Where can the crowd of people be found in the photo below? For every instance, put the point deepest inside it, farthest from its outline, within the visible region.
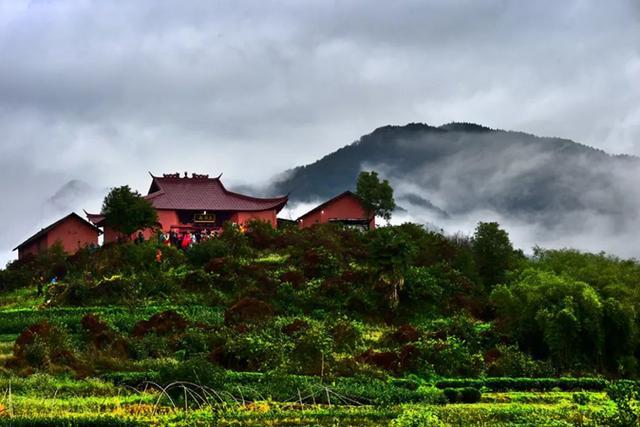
(182, 239)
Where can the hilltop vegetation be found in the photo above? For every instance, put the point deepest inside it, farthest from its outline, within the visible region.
(328, 316)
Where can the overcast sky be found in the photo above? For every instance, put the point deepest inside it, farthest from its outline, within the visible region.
(104, 91)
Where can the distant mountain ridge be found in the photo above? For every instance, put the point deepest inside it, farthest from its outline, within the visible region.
(458, 168)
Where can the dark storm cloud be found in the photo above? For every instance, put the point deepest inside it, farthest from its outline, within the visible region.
(104, 91)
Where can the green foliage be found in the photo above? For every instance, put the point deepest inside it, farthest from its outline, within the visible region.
(261, 234)
(417, 418)
(470, 395)
(620, 336)
(201, 254)
(127, 211)
(451, 356)
(493, 253)
(513, 362)
(47, 264)
(237, 242)
(525, 384)
(334, 316)
(462, 395)
(626, 396)
(391, 255)
(376, 195)
(581, 398)
(606, 273)
(553, 315)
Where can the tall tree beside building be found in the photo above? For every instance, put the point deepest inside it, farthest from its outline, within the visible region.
(126, 211)
(376, 195)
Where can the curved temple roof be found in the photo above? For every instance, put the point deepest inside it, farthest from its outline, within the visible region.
(200, 192)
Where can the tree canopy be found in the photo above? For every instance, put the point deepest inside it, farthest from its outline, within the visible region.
(553, 315)
(493, 253)
(126, 211)
(376, 195)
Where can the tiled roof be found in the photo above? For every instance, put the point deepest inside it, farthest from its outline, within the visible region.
(47, 229)
(203, 193)
(95, 219)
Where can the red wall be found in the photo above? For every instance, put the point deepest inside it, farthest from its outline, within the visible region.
(266, 216)
(167, 219)
(73, 234)
(33, 248)
(347, 207)
(109, 235)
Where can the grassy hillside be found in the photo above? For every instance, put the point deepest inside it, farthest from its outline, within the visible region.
(322, 326)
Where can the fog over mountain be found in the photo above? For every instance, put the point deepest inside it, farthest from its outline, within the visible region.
(545, 191)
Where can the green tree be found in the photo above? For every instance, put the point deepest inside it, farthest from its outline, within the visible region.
(493, 253)
(553, 316)
(392, 254)
(376, 195)
(126, 211)
(620, 336)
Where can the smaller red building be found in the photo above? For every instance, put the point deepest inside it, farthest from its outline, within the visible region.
(72, 232)
(346, 208)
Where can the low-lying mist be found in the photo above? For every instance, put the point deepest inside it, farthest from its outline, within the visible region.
(544, 191)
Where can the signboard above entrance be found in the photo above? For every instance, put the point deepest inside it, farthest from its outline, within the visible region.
(204, 218)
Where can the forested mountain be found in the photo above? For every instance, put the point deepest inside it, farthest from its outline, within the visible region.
(461, 167)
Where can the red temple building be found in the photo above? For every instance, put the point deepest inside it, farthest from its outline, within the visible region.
(196, 203)
(345, 208)
(72, 232)
(199, 202)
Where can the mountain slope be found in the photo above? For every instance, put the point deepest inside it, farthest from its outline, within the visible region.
(458, 169)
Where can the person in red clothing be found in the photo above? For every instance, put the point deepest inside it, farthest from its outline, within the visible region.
(186, 240)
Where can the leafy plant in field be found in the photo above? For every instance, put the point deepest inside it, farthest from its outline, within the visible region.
(626, 396)
(417, 417)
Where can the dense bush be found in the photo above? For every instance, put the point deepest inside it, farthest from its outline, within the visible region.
(462, 395)
(202, 254)
(511, 362)
(470, 395)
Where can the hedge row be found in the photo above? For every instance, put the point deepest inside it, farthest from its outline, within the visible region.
(282, 387)
(69, 420)
(526, 384)
(15, 321)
